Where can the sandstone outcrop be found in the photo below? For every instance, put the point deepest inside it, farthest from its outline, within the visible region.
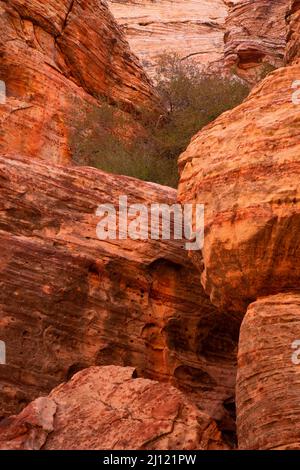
(245, 168)
(255, 37)
(244, 37)
(269, 374)
(293, 39)
(107, 408)
(69, 300)
(193, 29)
(57, 58)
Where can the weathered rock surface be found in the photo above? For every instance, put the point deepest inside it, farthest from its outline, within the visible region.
(193, 29)
(58, 57)
(293, 39)
(69, 300)
(247, 37)
(245, 168)
(255, 38)
(268, 377)
(107, 408)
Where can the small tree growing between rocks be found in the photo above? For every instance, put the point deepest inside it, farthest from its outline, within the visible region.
(192, 100)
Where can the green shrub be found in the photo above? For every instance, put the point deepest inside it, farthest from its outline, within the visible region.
(192, 100)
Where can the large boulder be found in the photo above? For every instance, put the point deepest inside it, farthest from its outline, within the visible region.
(245, 168)
(107, 408)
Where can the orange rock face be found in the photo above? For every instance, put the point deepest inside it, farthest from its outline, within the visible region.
(269, 374)
(56, 58)
(293, 18)
(245, 168)
(70, 301)
(145, 415)
(255, 37)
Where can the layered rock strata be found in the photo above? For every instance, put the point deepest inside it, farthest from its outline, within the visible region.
(243, 37)
(269, 374)
(192, 29)
(58, 58)
(69, 300)
(293, 38)
(255, 38)
(245, 168)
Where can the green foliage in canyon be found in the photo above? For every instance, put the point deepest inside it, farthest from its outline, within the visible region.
(191, 99)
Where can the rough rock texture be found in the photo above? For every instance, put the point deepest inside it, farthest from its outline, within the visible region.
(247, 36)
(293, 19)
(68, 300)
(57, 57)
(245, 168)
(193, 29)
(107, 408)
(268, 379)
(255, 37)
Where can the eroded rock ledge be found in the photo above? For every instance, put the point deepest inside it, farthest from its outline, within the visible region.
(69, 300)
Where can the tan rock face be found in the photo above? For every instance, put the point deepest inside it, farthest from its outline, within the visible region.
(193, 29)
(57, 57)
(69, 300)
(248, 37)
(107, 408)
(245, 168)
(255, 37)
(293, 19)
(268, 374)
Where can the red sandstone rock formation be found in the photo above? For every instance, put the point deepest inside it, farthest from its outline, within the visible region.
(107, 408)
(58, 57)
(69, 300)
(255, 37)
(245, 168)
(293, 19)
(268, 377)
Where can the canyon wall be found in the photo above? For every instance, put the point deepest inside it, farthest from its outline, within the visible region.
(245, 167)
(193, 29)
(71, 304)
(58, 58)
(293, 37)
(255, 37)
(242, 37)
(69, 300)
